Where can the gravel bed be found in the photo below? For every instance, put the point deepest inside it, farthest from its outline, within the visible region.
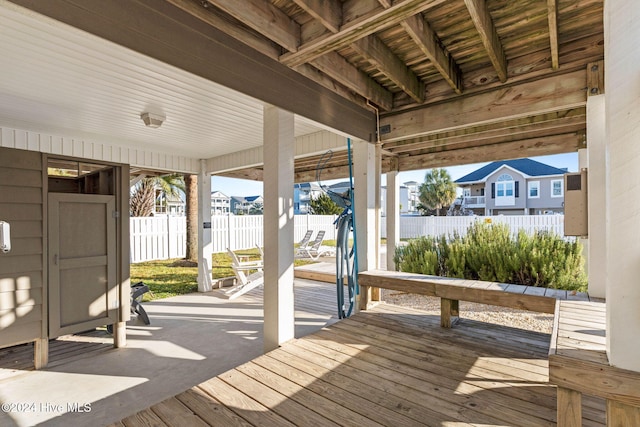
(529, 320)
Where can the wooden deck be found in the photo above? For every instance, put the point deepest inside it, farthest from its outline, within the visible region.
(579, 365)
(388, 366)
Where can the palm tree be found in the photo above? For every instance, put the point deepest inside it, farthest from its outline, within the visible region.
(437, 190)
(143, 193)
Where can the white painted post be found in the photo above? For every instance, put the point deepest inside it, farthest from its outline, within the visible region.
(393, 217)
(622, 112)
(596, 180)
(365, 180)
(205, 245)
(278, 227)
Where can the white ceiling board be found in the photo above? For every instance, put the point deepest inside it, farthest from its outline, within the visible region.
(61, 80)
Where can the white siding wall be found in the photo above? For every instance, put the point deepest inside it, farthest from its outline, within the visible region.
(86, 149)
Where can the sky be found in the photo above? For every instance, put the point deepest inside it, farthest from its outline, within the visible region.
(243, 187)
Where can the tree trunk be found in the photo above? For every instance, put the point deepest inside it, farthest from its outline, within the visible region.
(191, 211)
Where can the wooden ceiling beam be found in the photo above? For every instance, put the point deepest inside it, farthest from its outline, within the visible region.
(558, 144)
(212, 16)
(526, 127)
(484, 24)
(327, 12)
(363, 26)
(556, 93)
(339, 69)
(426, 39)
(264, 18)
(380, 56)
(552, 7)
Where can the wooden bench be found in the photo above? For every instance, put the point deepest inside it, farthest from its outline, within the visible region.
(451, 291)
(578, 364)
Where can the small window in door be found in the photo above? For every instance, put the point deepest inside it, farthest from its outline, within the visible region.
(71, 176)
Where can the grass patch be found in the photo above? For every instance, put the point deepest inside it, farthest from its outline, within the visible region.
(171, 277)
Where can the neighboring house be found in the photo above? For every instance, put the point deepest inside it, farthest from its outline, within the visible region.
(302, 195)
(408, 193)
(242, 205)
(220, 203)
(167, 204)
(514, 187)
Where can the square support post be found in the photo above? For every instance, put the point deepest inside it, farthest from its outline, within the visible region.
(622, 112)
(596, 182)
(205, 243)
(365, 181)
(393, 218)
(278, 227)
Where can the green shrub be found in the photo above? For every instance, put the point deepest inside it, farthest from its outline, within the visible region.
(490, 252)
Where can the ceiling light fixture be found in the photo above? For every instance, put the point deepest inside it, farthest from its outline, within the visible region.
(152, 120)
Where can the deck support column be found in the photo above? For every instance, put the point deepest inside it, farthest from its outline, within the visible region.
(365, 181)
(596, 179)
(278, 227)
(205, 243)
(569, 406)
(622, 111)
(393, 217)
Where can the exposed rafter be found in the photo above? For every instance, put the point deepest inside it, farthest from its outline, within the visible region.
(327, 12)
(208, 14)
(378, 54)
(367, 24)
(552, 8)
(425, 38)
(264, 18)
(342, 71)
(484, 24)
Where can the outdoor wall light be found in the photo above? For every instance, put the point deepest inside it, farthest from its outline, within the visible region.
(152, 120)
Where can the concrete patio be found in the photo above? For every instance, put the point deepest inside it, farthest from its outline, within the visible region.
(191, 339)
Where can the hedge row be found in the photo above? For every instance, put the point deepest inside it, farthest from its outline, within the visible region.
(489, 252)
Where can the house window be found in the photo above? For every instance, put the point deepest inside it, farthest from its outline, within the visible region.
(505, 195)
(466, 192)
(534, 189)
(556, 188)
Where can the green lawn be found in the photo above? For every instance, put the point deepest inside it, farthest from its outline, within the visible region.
(167, 278)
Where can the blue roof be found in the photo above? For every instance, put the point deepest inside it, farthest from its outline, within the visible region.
(526, 166)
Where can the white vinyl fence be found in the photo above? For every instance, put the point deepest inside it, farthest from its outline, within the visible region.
(415, 226)
(165, 237)
(155, 238)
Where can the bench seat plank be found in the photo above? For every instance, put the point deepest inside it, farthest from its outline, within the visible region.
(456, 289)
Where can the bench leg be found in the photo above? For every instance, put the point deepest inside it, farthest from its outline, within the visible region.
(449, 313)
(569, 408)
(621, 414)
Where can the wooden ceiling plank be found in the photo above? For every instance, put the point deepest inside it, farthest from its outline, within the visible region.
(342, 71)
(379, 55)
(358, 28)
(328, 12)
(209, 16)
(484, 24)
(264, 18)
(552, 6)
(426, 39)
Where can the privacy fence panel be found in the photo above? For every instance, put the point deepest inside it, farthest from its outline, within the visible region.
(165, 237)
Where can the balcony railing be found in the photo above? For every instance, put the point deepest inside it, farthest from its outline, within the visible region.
(471, 201)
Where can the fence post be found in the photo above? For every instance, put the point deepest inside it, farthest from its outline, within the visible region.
(168, 236)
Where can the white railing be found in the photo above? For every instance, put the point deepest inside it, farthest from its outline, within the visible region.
(473, 200)
(165, 237)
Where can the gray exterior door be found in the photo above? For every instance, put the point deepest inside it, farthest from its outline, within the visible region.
(82, 262)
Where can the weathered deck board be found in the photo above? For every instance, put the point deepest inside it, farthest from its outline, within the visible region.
(389, 366)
